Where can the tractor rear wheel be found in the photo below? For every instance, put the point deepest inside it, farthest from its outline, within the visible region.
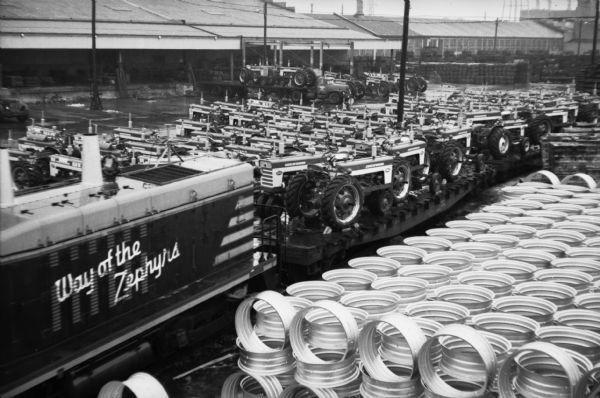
(401, 179)
(302, 196)
(342, 202)
(539, 127)
(381, 202)
(300, 78)
(383, 90)
(451, 160)
(499, 143)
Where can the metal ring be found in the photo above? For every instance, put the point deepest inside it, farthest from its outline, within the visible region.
(323, 330)
(580, 319)
(435, 275)
(368, 347)
(519, 270)
(537, 197)
(316, 290)
(481, 251)
(515, 328)
(502, 240)
(373, 388)
(439, 311)
(434, 381)
(457, 261)
(553, 215)
(428, 243)
(536, 308)
(592, 242)
(350, 279)
(509, 211)
(555, 191)
(516, 191)
(534, 222)
(378, 265)
(488, 218)
(243, 325)
(265, 364)
(562, 296)
(476, 299)
(586, 179)
(565, 361)
(404, 254)
(585, 218)
(591, 253)
(344, 316)
(376, 302)
(588, 229)
(336, 369)
(297, 390)
(571, 238)
(589, 381)
(522, 204)
(553, 247)
(578, 280)
(234, 385)
(538, 258)
(452, 234)
(499, 283)
(408, 289)
(588, 301)
(474, 227)
(545, 174)
(267, 322)
(586, 203)
(520, 231)
(584, 342)
(567, 208)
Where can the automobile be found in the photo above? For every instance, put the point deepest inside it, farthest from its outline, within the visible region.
(13, 108)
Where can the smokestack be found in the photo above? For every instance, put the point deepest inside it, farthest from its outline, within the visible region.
(7, 196)
(91, 173)
(359, 9)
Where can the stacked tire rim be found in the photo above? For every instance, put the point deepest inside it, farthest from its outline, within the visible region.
(457, 261)
(569, 209)
(502, 240)
(584, 342)
(553, 215)
(440, 311)
(538, 309)
(539, 223)
(499, 283)
(509, 211)
(325, 368)
(488, 218)
(376, 303)
(480, 251)
(562, 296)
(537, 366)
(350, 279)
(579, 318)
(435, 275)
(396, 373)
(404, 254)
(408, 289)
(474, 227)
(517, 329)
(580, 281)
(589, 230)
(476, 299)
(378, 265)
(589, 301)
(429, 243)
(554, 247)
(316, 290)
(454, 235)
(538, 258)
(519, 231)
(571, 238)
(519, 270)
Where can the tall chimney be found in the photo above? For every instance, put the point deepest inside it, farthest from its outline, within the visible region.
(359, 9)
(7, 195)
(91, 173)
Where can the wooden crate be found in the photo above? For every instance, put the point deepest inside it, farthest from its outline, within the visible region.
(575, 150)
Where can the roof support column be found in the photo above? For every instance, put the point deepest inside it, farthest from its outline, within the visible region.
(243, 46)
(351, 51)
(275, 55)
(312, 56)
(321, 57)
(231, 65)
(281, 53)
(403, 63)
(374, 56)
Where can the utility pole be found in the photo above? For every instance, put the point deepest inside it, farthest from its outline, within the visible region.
(95, 103)
(403, 64)
(579, 38)
(496, 34)
(265, 56)
(595, 42)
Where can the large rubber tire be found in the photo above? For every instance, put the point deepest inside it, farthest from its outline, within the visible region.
(383, 90)
(401, 179)
(334, 98)
(300, 78)
(20, 176)
(352, 87)
(435, 184)
(524, 147)
(587, 113)
(539, 127)
(311, 76)
(381, 202)
(245, 76)
(360, 89)
(422, 84)
(342, 202)
(499, 143)
(301, 196)
(412, 85)
(451, 161)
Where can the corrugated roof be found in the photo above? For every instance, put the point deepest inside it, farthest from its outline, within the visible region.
(384, 27)
(524, 29)
(300, 33)
(102, 28)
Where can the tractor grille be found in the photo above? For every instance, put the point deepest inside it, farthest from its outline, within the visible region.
(266, 177)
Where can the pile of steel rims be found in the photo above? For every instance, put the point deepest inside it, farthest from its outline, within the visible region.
(452, 314)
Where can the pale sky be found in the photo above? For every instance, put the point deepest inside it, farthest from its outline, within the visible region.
(468, 9)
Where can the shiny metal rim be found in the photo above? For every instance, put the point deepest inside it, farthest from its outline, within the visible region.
(439, 311)
(406, 255)
(522, 204)
(334, 372)
(579, 318)
(562, 296)
(474, 227)
(537, 197)
(451, 234)
(590, 301)
(428, 243)
(375, 302)
(323, 330)
(578, 280)
(266, 364)
(509, 211)
(554, 247)
(536, 308)
(350, 279)
(570, 237)
(553, 215)
(501, 284)
(476, 299)
(298, 391)
(539, 258)
(380, 266)
(316, 290)
(488, 218)
(519, 270)
(515, 328)
(234, 385)
(534, 222)
(584, 342)
(520, 231)
(504, 241)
